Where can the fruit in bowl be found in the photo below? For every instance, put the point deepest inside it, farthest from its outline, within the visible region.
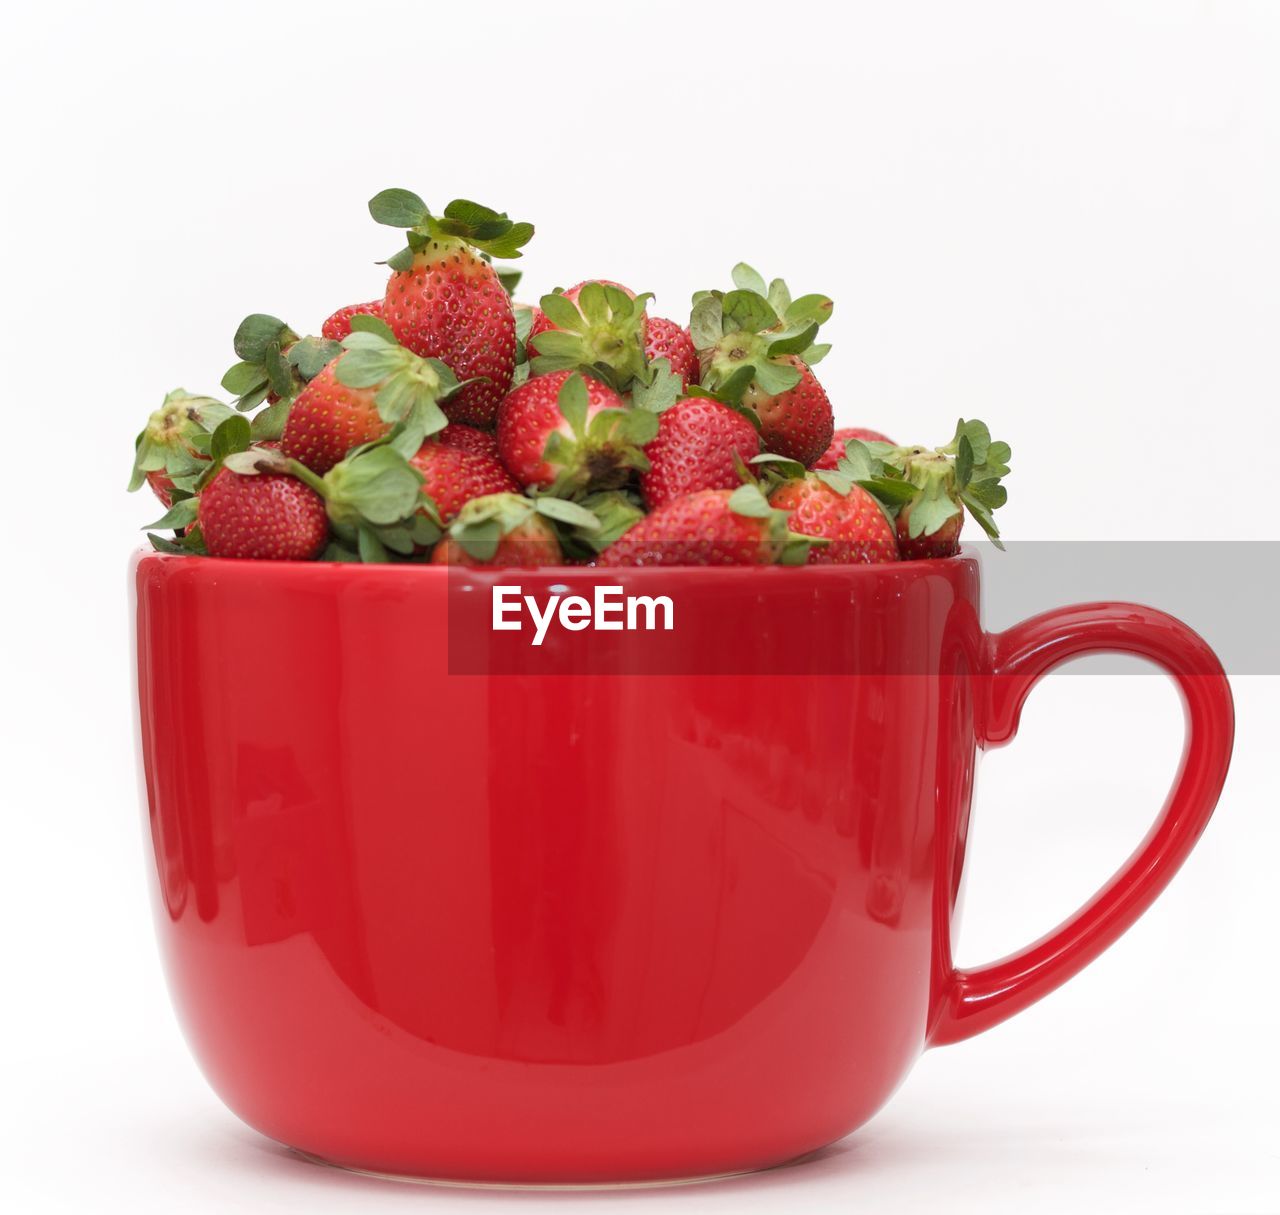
(446, 423)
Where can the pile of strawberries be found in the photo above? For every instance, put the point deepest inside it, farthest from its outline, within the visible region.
(447, 423)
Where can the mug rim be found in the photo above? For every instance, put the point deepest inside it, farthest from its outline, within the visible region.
(356, 571)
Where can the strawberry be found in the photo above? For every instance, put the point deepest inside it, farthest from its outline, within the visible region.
(670, 341)
(339, 324)
(373, 385)
(700, 444)
(452, 477)
(509, 529)
(445, 300)
(468, 438)
(571, 433)
(750, 344)
(831, 457)
(713, 527)
(173, 451)
(373, 500)
(597, 325)
(273, 517)
(927, 491)
(852, 520)
(275, 365)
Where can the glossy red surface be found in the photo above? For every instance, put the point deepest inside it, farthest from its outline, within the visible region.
(584, 927)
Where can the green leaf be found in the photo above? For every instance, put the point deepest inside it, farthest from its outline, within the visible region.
(376, 486)
(363, 322)
(371, 549)
(989, 492)
(808, 310)
(563, 511)
(509, 278)
(573, 401)
(779, 297)
(401, 260)
(706, 322)
(162, 544)
(747, 312)
(279, 374)
(555, 343)
(398, 209)
(235, 434)
(928, 514)
(180, 514)
(747, 279)
(774, 378)
(964, 462)
(479, 539)
(312, 355)
(269, 423)
(835, 480)
(782, 465)
(815, 354)
(978, 435)
(795, 344)
(749, 501)
(562, 313)
(982, 516)
(257, 333)
(890, 491)
(662, 390)
(593, 303)
(244, 377)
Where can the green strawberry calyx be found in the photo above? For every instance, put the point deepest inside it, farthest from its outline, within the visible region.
(602, 332)
(483, 523)
(614, 510)
(790, 548)
(931, 486)
(463, 223)
(274, 362)
(600, 452)
(754, 334)
(176, 439)
(409, 389)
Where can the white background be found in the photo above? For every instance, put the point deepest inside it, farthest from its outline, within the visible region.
(1062, 218)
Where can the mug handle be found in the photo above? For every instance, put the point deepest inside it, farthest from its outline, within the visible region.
(971, 1001)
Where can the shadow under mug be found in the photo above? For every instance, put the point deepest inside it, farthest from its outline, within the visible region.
(569, 919)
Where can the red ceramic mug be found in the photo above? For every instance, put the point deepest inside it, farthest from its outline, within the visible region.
(660, 906)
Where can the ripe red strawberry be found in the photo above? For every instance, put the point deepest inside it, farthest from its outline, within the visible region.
(694, 450)
(796, 422)
(452, 477)
(571, 433)
(358, 397)
(757, 351)
(339, 324)
(468, 438)
(173, 450)
(713, 527)
(831, 457)
(853, 522)
(667, 340)
(271, 516)
(328, 419)
(501, 529)
(445, 301)
(596, 324)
